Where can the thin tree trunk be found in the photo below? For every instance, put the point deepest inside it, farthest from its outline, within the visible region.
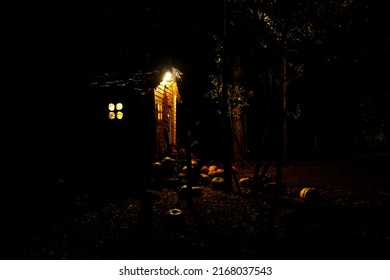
(227, 137)
(284, 109)
(259, 161)
(238, 134)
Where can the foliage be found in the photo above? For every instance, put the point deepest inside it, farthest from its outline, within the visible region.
(324, 56)
(237, 95)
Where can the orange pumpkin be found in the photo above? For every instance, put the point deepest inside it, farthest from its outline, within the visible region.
(309, 194)
(212, 173)
(194, 163)
(213, 168)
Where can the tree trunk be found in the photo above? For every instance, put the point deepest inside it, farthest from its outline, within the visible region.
(238, 134)
(284, 109)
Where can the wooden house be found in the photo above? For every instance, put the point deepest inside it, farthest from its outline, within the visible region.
(140, 107)
(166, 97)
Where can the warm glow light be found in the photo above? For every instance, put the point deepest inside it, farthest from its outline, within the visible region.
(111, 115)
(119, 115)
(159, 111)
(167, 77)
(111, 107)
(119, 106)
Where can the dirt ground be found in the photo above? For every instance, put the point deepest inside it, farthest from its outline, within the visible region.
(349, 221)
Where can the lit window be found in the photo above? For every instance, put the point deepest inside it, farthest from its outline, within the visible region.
(119, 106)
(111, 115)
(111, 107)
(115, 111)
(159, 111)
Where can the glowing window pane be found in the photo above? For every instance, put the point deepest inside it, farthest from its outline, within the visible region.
(111, 115)
(111, 107)
(119, 106)
(119, 115)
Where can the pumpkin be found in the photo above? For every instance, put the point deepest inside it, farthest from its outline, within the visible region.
(194, 163)
(219, 172)
(204, 179)
(195, 191)
(213, 168)
(168, 159)
(309, 194)
(218, 183)
(212, 173)
(245, 182)
(204, 170)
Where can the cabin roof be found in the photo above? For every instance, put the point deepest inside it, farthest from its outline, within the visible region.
(141, 80)
(134, 80)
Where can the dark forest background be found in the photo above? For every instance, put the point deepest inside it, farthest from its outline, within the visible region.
(329, 59)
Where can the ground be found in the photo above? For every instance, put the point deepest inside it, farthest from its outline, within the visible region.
(349, 221)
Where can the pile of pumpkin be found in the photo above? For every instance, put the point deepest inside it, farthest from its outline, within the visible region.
(204, 175)
(163, 173)
(213, 175)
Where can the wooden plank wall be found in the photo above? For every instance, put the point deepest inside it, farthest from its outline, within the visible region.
(165, 103)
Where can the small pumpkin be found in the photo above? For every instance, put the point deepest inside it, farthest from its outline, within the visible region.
(219, 172)
(212, 173)
(168, 160)
(204, 169)
(245, 182)
(218, 183)
(213, 168)
(194, 163)
(309, 194)
(185, 168)
(204, 179)
(196, 191)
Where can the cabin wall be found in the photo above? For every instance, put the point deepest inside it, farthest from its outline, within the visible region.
(165, 113)
(117, 152)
